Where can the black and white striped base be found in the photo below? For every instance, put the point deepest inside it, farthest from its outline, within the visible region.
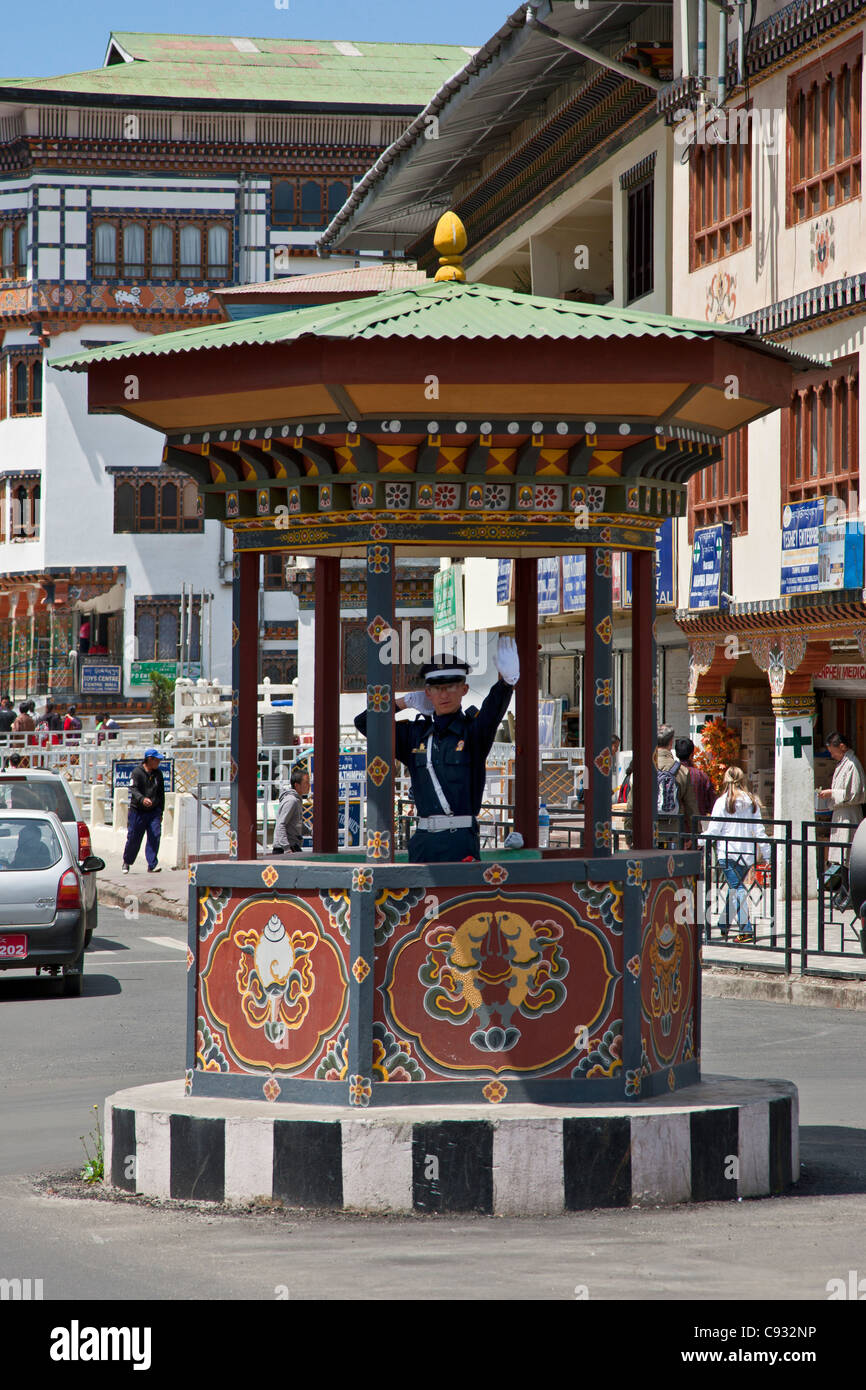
(724, 1138)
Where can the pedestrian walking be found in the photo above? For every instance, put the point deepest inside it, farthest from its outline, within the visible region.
(676, 806)
(445, 749)
(24, 722)
(289, 829)
(705, 792)
(737, 846)
(7, 715)
(50, 725)
(146, 807)
(72, 725)
(846, 795)
(106, 727)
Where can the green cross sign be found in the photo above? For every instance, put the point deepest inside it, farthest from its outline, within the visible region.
(798, 741)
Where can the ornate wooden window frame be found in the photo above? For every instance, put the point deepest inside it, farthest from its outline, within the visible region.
(817, 179)
(298, 182)
(187, 525)
(721, 491)
(822, 419)
(716, 232)
(177, 224)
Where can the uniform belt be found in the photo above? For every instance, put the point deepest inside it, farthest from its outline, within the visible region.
(437, 823)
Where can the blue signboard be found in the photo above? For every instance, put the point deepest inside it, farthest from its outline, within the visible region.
(548, 586)
(664, 568)
(801, 527)
(351, 783)
(574, 582)
(123, 768)
(505, 581)
(100, 680)
(840, 555)
(711, 567)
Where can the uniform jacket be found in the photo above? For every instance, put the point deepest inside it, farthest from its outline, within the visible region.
(461, 742)
(289, 829)
(144, 783)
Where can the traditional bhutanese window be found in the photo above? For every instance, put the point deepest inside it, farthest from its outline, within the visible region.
(162, 251)
(337, 195)
(158, 632)
(275, 570)
(819, 436)
(190, 253)
(720, 492)
(311, 205)
(20, 509)
(133, 252)
(640, 240)
(720, 200)
(283, 203)
(105, 250)
(13, 250)
(824, 108)
(218, 253)
(279, 667)
(353, 655)
(26, 385)
(162, 505)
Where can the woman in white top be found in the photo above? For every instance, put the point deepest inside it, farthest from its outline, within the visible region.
(736, 844)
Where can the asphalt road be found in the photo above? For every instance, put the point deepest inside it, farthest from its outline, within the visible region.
(62, 1056)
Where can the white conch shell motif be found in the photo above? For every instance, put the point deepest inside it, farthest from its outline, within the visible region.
(274, 955)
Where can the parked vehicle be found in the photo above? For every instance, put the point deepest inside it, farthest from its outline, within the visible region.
(33, 789)
(43, 914)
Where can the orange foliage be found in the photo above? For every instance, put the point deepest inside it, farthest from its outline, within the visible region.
(719, 749)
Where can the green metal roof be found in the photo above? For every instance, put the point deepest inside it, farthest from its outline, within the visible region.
(437, 311)
(224, 69)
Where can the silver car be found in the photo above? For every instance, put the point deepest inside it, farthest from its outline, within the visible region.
(43, 914)
(35, 789)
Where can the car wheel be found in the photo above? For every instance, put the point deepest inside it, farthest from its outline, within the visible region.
(72, 979)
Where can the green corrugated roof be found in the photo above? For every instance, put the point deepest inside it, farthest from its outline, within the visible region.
(433, 310)
(177, 65)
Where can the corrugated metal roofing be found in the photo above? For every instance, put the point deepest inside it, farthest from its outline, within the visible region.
(168, 65)
(363, 280)
(433, 311)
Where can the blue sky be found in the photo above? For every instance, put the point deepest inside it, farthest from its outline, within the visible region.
(56, 36)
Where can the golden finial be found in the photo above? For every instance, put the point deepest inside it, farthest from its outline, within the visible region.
(450, 241)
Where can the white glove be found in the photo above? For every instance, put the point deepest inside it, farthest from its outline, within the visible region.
(416, 699)
(507, 661)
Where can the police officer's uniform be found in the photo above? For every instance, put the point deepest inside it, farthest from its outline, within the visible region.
(446, 756)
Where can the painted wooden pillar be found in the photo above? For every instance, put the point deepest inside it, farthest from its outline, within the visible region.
(598, 702)
(326, 705)
(643, 696)
(381, 626)
(245, 687)
(526, 702)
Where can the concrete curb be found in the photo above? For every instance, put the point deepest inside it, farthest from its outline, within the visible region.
(720, 1140)
(719, 983)
(152, 903)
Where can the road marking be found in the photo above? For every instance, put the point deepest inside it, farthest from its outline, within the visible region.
(165, 941)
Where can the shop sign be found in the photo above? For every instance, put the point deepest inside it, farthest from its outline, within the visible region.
(123, 768)
(664, 568)
(801, 530)
(141, 670)
(835, 672)
(448, 599)
(711, 567)
(840, 555)
(548, 587)
(100, 680)
(505, 581)
(574, 582)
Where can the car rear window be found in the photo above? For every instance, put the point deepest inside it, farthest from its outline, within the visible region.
(36, 795)
(27, 845)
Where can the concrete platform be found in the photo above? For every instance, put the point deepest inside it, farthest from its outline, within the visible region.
(722, 1139)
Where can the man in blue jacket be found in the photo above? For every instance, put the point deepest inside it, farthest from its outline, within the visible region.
(146, 807)
(445, 749)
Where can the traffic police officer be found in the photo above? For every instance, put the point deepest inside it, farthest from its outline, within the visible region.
(445, 749)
